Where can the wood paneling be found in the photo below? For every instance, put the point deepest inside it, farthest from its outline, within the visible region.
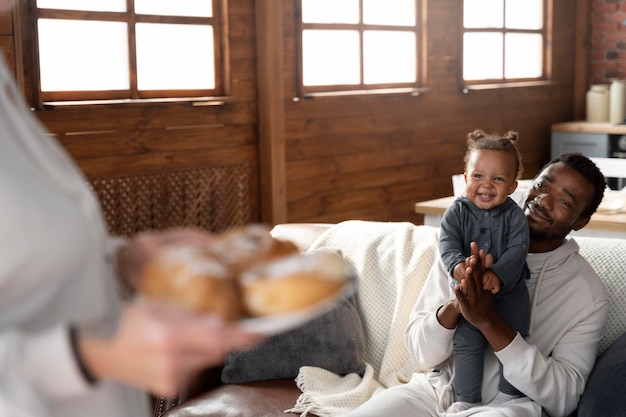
(6, 24)
(138, 139)
(271, 111)
(7, 45)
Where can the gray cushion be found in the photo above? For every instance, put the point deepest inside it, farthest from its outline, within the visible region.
(333, 341)
(604, 394)
(604, 255)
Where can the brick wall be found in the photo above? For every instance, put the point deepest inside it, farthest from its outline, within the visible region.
(608, 41)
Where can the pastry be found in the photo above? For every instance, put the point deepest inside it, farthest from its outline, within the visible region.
(243, 247)
(292, 283)
(192, 278)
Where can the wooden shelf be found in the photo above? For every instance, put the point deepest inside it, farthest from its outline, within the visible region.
(589, 127)
(615, 222)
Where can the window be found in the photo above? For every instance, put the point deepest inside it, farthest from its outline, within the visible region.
(119, 49)
(359, 45)
(504, 41)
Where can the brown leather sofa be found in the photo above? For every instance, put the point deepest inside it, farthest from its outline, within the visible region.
(210, 398)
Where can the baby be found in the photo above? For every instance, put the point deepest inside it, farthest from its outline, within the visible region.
(486, 215)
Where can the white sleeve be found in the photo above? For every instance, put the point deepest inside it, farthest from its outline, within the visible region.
(428, 342)
(113, 244)
(37, 367)
(556, 382)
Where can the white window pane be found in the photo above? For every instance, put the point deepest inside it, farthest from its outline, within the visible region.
(79, 55)
(93, 5)
(176, 57)
(523, 55)
(483, 13)
(330, 57)
(200, 8)
(482, 56)
(389, 57)
(330, 11)
(389, 12)
(524, 14)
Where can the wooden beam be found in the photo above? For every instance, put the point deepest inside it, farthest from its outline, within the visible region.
(269, 34)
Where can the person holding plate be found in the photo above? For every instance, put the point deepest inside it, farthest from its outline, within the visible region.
(69, 345)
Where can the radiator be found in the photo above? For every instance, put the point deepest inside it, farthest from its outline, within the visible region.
(214, 198)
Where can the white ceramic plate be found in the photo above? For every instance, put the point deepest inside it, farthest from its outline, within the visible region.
(610, 206)
(280, 323)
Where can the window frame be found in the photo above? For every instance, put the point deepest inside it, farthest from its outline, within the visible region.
(546, 70)
(357, 89)
(30, 13)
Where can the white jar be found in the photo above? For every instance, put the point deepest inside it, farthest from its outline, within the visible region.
(617, 109)
(598, 103)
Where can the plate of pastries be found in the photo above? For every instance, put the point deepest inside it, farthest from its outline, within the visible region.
(248, 276)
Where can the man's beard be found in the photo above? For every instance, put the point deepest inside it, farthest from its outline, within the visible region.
(545, 235)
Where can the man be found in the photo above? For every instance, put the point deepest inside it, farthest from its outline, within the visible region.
(569, 308)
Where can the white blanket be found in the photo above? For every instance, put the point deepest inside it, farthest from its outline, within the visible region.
(392, 261)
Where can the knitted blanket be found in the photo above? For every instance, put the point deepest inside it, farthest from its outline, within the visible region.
(392, 261)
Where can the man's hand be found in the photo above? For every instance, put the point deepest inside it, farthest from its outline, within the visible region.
(476, 304)
(448, 314)
(159, 348)
(479, 259)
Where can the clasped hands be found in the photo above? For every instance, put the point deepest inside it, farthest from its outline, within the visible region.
(474, 302)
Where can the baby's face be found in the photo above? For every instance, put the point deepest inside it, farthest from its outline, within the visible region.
(490, 178)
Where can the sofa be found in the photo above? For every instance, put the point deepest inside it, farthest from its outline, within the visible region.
(391, 261)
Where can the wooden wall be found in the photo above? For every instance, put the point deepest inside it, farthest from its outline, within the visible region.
(374, 157)
(142, 139)
(7, 44)
(359, 157)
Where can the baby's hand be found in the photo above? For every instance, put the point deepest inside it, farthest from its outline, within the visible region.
(459, 272)
(491, 282)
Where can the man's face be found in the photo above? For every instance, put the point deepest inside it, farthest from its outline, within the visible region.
(555, 203)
